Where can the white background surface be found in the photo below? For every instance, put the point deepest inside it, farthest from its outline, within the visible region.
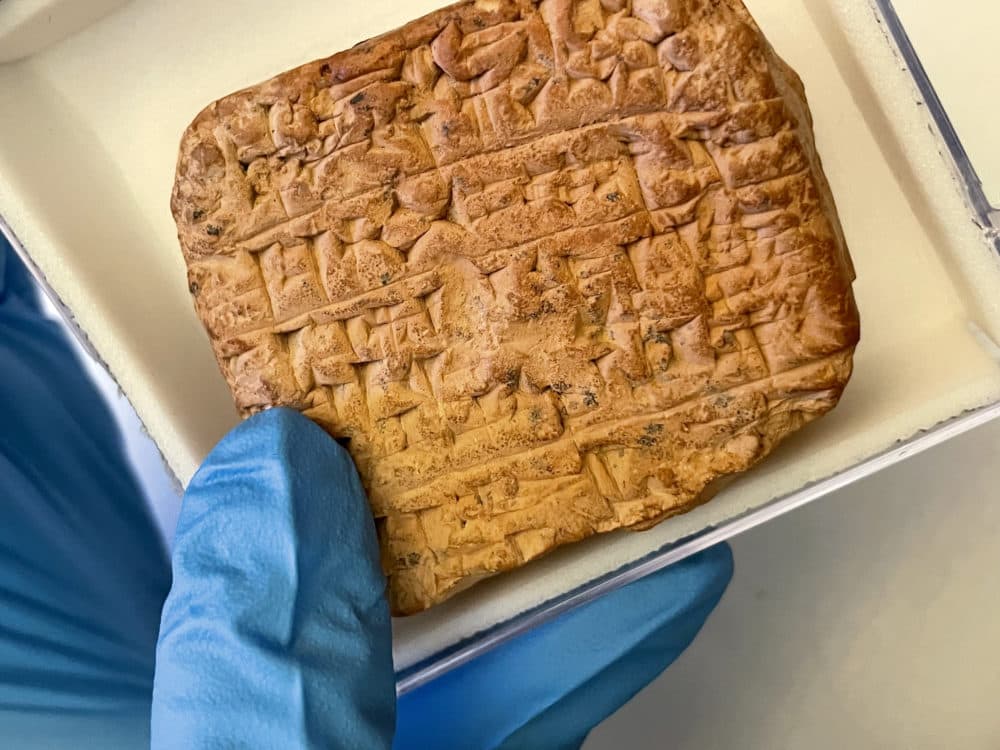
(869, 619)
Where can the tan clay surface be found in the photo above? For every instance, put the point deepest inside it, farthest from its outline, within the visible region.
(553, 268)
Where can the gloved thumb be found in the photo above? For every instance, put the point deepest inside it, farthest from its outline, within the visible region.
(276, 630)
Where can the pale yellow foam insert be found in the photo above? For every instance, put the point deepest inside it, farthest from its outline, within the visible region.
(86, 165)
(28, 26)
(957, 45)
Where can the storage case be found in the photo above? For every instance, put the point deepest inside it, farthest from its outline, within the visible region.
(92, 105)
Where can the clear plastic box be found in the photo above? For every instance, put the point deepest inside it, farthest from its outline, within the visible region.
(968, 171)
(90, 116)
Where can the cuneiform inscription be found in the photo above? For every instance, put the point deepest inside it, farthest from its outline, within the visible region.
(551, 267)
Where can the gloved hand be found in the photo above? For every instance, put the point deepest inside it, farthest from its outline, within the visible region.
(83, 572)
(549, 688)
(276, 630)
(275, 633)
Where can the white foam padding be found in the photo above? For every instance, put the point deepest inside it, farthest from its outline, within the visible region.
(29, 26)
(957, 45)
(87, 161)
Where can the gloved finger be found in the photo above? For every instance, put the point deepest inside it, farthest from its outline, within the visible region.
(276, 630)
(15, 281)
(549, 688)
(83, 572)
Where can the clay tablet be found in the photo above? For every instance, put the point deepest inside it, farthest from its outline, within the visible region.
(553, 268)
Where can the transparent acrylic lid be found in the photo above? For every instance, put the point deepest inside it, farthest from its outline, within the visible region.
(950, 50)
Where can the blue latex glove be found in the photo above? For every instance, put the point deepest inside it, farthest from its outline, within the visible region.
(82, 570)
(275, 633)
(549, 688)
